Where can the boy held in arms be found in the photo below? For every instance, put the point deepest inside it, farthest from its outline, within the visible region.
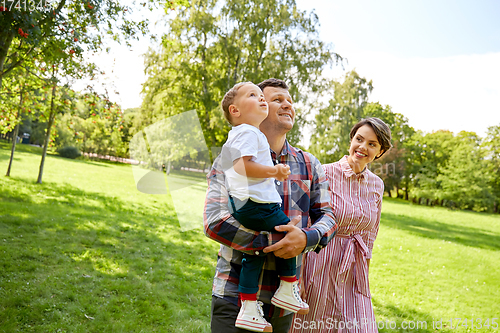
(255, 202)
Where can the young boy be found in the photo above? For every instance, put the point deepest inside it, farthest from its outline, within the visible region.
(254, 201)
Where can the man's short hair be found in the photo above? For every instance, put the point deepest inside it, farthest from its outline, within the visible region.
(273, 83)
(229, 98)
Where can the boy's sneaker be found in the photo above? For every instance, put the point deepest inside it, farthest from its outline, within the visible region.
(288, 297)
(251, 317)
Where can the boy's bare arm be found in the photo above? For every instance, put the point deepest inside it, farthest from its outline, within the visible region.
(245, 167)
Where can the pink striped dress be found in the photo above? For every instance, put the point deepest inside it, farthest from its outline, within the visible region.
(336, 279)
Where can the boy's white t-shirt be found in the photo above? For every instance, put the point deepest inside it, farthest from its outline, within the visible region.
(247, 140)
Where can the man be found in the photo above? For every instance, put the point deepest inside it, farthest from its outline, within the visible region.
(306, 201)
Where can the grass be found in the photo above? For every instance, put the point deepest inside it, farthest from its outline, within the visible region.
(432, 263)
(87, 252)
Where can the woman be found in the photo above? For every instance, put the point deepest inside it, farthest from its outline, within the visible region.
(336, 280)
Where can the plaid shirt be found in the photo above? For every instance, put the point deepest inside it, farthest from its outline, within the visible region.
(305, 193)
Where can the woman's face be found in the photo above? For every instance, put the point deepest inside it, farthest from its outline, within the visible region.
(364, 148)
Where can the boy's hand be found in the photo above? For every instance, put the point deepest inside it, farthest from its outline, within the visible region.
(282, 172)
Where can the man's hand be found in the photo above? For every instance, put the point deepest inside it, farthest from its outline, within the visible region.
(282, 172)
(292, 244)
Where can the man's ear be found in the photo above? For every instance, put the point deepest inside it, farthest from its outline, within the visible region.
(233, 111)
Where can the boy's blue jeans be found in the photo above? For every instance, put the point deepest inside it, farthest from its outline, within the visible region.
(259, 217)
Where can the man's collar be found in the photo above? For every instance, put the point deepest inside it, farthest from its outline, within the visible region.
(287, 149)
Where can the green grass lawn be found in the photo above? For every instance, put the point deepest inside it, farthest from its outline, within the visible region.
(432, 263)
(87, 252)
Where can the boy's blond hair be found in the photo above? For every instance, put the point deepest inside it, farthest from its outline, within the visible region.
(229, 98)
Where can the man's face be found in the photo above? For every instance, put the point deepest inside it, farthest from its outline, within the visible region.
(281, 112)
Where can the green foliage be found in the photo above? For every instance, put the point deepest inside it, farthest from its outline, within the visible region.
(94, 125)
(438, 168)
(394, 165)
(491, 146)
(330, 140)
(62, 29)
(69, 152)
(21, 96)
(429, 154)
(457, 171)
(211, 45)
(464, 180)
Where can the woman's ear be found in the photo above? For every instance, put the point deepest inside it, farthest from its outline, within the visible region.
(233, 111)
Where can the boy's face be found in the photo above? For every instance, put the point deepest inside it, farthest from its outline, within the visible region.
(249, 107)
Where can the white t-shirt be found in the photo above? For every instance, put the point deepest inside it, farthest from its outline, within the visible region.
(247, 140)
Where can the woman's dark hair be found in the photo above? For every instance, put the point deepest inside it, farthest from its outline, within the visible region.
(382, 131)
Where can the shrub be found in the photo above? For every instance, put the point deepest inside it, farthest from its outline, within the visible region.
(69, 152)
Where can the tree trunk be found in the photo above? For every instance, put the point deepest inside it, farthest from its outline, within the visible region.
(206, 98)
(47, 136)
(169, 165)
(16, 132)
(5, 42)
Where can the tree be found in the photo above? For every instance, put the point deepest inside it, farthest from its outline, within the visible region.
(331, 141)
(57, 34)
(19, 99)
(491, 144)
(212, 45)
(394, 167)
(429, 155)
(27, 28)
(464, 179)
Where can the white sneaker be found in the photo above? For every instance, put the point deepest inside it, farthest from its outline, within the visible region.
(251, 317)
(288, 297)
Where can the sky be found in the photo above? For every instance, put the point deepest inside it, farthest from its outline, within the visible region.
(436, 62)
